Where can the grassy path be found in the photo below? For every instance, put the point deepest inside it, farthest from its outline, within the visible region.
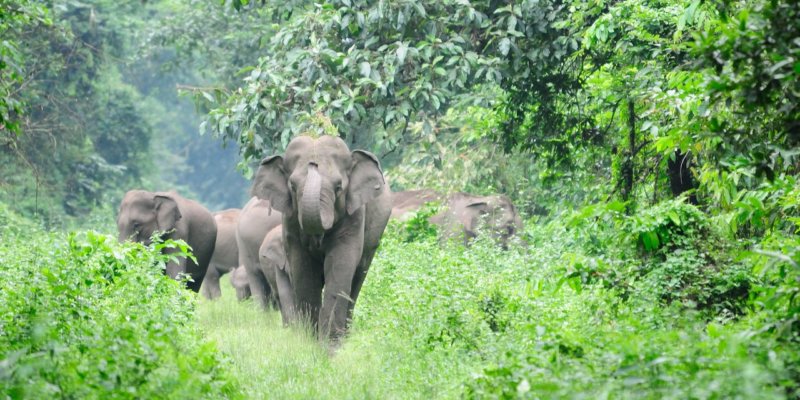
(287, 363)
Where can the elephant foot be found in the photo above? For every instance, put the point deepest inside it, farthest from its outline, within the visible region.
(333, 345)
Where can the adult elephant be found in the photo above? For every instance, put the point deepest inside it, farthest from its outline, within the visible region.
(335, 206)
(274, 267)
(405, 202)
(466, 214)
(256, 219)
(226, 252)
(142, 213)
(240, 283)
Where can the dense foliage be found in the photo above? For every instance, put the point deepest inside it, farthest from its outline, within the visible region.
(620, 315)
(82, 316)
(652, 146)
(587, 310)
(84, 117)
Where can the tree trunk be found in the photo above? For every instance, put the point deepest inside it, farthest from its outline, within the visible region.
(680, 175)
(627, 166)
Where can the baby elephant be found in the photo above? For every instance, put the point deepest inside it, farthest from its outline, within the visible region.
(466, 214)
(226, 252)
(256, 220)
(463, 214)
(240, 282)
(272, 258)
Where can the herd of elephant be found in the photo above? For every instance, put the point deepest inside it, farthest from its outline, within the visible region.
(304, 242)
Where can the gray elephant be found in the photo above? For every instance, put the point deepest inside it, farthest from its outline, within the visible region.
(335, 206)
(405, 202)
(240, 282)
(142, 213)
(466, 214)
(274, 267)
(255, 221)
(226, 253)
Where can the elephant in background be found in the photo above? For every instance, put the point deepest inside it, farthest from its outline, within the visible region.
(141, 213)
(405, 202)
(255, 221)
(466, 214)
(274, 267)
(335, 206)
(240, 282)
(226, 252)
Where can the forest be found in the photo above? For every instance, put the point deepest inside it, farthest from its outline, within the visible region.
(649, 150)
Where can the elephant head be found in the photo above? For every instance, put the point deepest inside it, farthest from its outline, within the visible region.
(319, 182)
(142, 213)
(493, 214)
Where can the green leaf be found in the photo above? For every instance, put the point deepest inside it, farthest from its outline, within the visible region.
(650, 240)
(505, 46)
(674, 217)
(365, 69)
(401, 51)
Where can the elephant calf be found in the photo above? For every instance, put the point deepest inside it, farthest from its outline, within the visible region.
(466, 214)
(240, 282)
(142, 213)
(226, 252)
(272, 258)
(255, 221)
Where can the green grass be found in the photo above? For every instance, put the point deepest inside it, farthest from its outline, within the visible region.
(272, 361)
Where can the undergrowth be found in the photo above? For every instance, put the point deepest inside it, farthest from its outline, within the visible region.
(82, 316)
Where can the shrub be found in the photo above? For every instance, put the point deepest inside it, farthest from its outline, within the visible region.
(82, 316)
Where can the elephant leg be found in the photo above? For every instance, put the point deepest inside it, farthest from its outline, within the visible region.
(286, 295)
(307, 280)
(243, 293)
(180, 268)
(341, 264)
(258, 287)
(210, 288)
(195, 273)
(358, 280)
(269, 274)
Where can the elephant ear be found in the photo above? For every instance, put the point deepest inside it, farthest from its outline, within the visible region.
(474, 212)
(167, 212)
(272, 183)
(276, 254)
(366, 180)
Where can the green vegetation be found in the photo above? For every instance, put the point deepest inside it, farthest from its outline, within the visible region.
(82, 316)
(558, 321)
(651, 145)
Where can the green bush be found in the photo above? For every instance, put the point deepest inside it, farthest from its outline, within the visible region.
(480, 322)
(82, 316)
(666, 253)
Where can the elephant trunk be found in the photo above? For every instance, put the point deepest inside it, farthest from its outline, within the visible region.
(313, 220)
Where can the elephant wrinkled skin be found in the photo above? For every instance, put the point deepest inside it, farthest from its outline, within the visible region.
(226, 252)
(335, 206)
(141, 213)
